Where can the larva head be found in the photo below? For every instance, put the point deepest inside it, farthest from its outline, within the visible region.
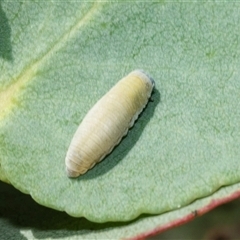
(149, 81)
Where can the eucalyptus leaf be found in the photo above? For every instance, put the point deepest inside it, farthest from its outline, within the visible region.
(184, 146)
(22, 218)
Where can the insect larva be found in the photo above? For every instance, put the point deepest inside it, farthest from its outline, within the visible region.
(107, 122)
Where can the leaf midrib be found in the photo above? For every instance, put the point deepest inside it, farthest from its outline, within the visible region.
(8, 93)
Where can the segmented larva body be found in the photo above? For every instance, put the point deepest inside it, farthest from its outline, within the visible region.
(107, 122)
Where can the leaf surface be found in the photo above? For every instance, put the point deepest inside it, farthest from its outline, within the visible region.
(184, 146)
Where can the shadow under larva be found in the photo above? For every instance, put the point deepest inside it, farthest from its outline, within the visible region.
(107, 122)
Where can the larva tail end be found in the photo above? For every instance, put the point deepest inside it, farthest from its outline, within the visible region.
(71, 173)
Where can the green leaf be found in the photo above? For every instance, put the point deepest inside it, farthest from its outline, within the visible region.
(5, 34)
(22, 217)
(65, 56)
(3, 176)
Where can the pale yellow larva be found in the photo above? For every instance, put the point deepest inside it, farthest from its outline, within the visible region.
(107, 122)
